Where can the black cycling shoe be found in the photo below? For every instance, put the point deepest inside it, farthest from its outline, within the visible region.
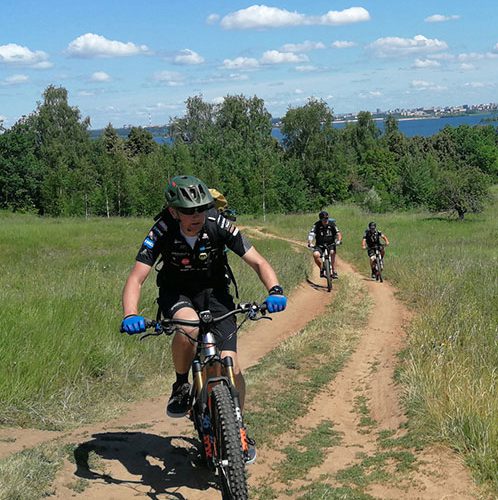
(335, 275)
(178, 403)
(374, 275)
(251, 451)
(322, 273)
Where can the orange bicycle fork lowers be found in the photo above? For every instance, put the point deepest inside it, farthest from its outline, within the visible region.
(198, 376)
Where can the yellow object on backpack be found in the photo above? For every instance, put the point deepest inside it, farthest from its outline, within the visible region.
(220, 202)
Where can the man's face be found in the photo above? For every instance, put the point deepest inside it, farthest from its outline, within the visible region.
(190, 223)
(324, 221)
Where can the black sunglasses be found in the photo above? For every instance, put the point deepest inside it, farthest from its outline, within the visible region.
(192, 210)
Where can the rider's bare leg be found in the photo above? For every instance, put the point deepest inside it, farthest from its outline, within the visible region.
(182, 349)
(332, 260)
(239, 378)
(318, 259)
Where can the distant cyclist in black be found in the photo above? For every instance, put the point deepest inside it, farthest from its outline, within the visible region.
(325, 233)
(370, 241)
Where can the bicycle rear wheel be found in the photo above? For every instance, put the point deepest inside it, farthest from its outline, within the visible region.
(230, 457)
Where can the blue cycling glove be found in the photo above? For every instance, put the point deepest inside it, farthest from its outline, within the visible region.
(133, 324)
(276, 301)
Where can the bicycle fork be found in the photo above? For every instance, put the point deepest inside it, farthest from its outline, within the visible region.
(228, 362)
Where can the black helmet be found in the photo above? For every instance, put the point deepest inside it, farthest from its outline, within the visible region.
(323, 215)
(372, 226)
(188, 192)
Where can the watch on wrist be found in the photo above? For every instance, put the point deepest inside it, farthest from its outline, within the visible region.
(276, 290)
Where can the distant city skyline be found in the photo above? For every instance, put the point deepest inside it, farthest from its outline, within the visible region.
(126, 62)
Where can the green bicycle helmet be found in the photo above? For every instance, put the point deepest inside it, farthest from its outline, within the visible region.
(188, 192)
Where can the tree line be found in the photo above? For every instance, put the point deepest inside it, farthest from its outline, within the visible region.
(50, 165)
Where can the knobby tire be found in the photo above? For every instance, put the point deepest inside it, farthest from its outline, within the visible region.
(232, 476)
(328, 274)
(379, 269)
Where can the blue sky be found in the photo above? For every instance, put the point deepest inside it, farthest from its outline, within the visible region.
(130, 62)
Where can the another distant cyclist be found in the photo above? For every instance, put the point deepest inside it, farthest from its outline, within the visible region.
(370, 241)
(325, 233)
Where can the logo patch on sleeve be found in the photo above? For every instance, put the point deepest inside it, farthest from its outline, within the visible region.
(149, 243)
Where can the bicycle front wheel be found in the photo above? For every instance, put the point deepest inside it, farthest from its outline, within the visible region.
(379, 268)
(328, 274)
(230, 457)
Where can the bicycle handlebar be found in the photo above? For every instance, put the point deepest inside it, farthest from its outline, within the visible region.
(164, 326)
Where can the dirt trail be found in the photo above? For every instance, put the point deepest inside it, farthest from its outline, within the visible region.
(145, 454)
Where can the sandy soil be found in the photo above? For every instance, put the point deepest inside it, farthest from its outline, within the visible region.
(144, 454)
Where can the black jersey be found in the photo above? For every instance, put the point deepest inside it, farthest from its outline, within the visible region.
(372, 239)
(324, 234)
(187, 269)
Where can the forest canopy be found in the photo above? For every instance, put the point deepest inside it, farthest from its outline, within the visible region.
(49, 164)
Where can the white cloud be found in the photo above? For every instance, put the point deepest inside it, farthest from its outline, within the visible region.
(264, 17)
(91, 45)
(342, 44)
(241, 63)
(306, 46)
(238, 76)
(477, 85)
(298, 91)
(346, 16)
(15, 80)
(276, 57)
(212, 18)
(476, 56)
(370, 94)
(100, 76)
(307, 68)
(170, 78)
(425, 63)
(395, 46)
(467, 67)
(188, 57)
(43, 65)
(424, 85)
(439, 18)
(496, 47)
(22, 56)
(86, 93)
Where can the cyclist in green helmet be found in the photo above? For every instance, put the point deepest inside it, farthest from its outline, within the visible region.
(189, 238)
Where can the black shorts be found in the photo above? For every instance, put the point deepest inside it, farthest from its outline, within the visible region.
(321, 248)
(371, 250)
(219, 303)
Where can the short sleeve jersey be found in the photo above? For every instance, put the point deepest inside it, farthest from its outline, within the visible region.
(324, 234)
(372, 239)
(186, 269)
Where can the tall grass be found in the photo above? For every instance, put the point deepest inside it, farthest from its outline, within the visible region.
(62, 358)
(446, 271)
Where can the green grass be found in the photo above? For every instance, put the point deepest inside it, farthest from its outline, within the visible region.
(30, 473)
(62, 358)
(446, 271)
(308, 452)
